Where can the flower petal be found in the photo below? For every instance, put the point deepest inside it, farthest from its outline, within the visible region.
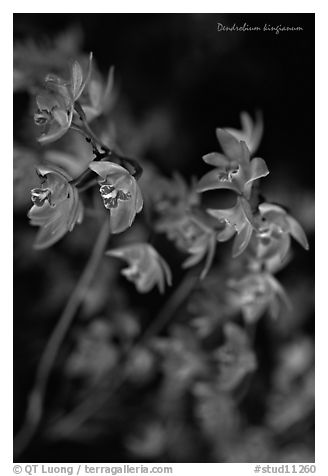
(122, 217)
(216, 159)
(258, 169)
(241, 241)
(79, 91)
(297, 232)
(230, 145)
(227, 232)
(105, 168)
(211, 181)
(77, 78)
(139, 199)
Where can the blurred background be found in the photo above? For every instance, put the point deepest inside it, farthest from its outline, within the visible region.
(177, 78)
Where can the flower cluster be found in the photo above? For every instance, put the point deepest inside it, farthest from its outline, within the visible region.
(205, 355)
(261, 229)
(181, 219)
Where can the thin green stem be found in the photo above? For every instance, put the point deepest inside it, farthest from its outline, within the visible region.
(35, 405)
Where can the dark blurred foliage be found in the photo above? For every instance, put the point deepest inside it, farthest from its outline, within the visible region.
(178, 79)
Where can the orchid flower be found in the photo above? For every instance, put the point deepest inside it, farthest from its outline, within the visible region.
(235, 358)
(255, 293)
(98, 96)
(120, 194)
(238, 219)
(146, 267)
(56, 208)
(192, 235)
(251, 131)
(271, 240)
(234, 170)
(56, 103)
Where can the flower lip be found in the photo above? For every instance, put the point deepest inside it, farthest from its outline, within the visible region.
(111, 195)
(40, 195)
(227, 173)
(120, 193)
(42, 117)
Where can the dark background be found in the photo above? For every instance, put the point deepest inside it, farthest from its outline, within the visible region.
(181, 78)
(202, 78)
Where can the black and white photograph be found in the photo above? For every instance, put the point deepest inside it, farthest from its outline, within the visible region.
(163, 241)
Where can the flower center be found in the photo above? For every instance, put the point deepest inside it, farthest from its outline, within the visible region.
(111, 196)
(268, 231)
(226, 175)
(40, 195)
(42, 117)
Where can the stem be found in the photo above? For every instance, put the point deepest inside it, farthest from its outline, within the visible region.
(176, 300)
(36, 399)
(97, 399)
(94, 140)
(124, 161)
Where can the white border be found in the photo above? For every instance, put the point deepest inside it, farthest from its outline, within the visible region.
(321, 197)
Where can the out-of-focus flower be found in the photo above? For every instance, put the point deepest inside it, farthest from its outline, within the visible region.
(294, 360)
(286, 409)
(270, 242)
(183, 357)
(120, 193)
(217, 414)
(253, 445)
(149, 442)
(233, 169)
(98, 97)
(235, 358)
(146, 267)
(172, 197)
(95, 353)
(192, 235)
(141, 366)
(56, 102)
(34, 60)
(256, 293)
(24, 177)
(251, 131)
(238, 219)
(56, 208)
(183, 223)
